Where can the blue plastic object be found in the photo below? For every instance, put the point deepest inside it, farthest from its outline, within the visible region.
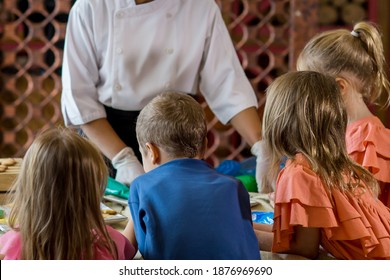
(248, 166)
(244, 171)
(235, 168)
(229, 167)
(245, 167)
(263, 217)
(283, 162)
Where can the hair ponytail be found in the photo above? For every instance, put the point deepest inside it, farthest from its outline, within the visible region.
(371, 38)
(358, 53)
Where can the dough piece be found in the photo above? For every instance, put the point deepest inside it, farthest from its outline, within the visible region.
(8, 162)
(108, 211)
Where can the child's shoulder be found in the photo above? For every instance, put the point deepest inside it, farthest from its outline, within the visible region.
(297, 180)
(368, 143)
(10, 236)
(10, 245)
(298, 166)
(370, 125)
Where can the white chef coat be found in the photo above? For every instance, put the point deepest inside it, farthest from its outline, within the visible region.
(121, 55)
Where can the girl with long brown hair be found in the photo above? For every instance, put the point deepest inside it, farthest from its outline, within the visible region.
(55, 212)
(322, 198)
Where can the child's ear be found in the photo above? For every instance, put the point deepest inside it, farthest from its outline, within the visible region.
(153, 153)
(343, 85)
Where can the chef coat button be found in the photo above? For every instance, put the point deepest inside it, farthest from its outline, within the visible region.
(119, 15)
(119, 50)
(117, 87)
(169, 15)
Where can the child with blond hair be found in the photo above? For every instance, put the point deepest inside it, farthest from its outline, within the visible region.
(322, 198)
(183, 208)
(55, 212)
(356, 60)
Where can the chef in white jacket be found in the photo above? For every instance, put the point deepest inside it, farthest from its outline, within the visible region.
(119, 54)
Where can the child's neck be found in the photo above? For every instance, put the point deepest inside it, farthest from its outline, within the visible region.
(356, 107)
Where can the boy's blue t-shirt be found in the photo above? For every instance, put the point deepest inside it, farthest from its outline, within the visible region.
(184, 209)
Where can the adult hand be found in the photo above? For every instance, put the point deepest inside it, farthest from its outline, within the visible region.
(127, 166)
(263, 161)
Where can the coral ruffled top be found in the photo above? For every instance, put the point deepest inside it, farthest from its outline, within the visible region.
(368, 143)
(352, 226)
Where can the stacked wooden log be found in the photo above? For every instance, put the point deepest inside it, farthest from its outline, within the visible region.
(342, 12)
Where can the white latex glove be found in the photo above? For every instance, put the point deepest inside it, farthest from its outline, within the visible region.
(127, 166)
(263, 161)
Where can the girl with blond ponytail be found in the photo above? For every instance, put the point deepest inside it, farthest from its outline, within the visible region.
(356, 60)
